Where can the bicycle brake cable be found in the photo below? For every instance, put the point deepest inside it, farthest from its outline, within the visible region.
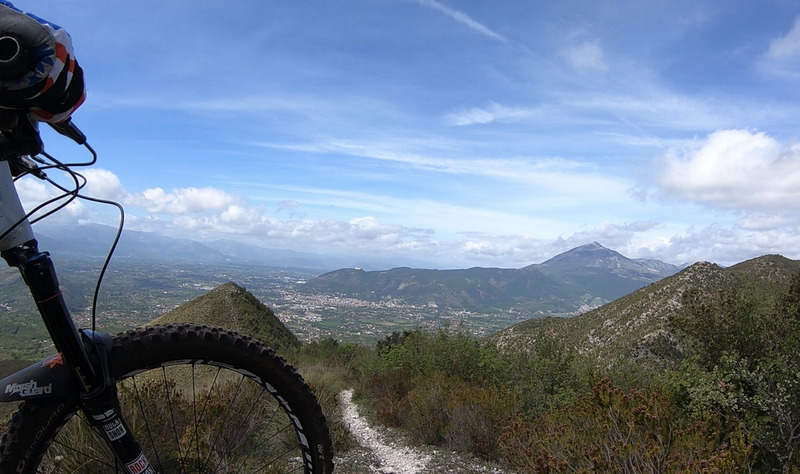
(120, 225)
(79, 183)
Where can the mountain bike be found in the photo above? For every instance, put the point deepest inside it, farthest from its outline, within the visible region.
(158, 399)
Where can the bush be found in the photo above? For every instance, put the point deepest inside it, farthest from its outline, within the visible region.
(622, 431)
(446, 389)
(447, 411)
(389, 391)
(426, 416)
(476, 418)
(764, 397)
(746, 366)
(423, 353)
(550, 376)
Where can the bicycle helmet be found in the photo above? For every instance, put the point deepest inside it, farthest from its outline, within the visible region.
(38, 70)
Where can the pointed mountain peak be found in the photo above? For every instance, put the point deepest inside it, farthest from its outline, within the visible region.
(594, 245)
(590, 255)
(593, 258)
(233, 307)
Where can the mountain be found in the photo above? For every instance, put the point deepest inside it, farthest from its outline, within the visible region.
(94, 240)
(635, 326)
(476, 289)
(595, 256)
(232, 307)
(583, 277)
(605, 273)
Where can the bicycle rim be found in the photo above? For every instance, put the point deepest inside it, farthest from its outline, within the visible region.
(227, 412)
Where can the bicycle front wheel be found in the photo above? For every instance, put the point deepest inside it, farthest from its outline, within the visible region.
(199, 400)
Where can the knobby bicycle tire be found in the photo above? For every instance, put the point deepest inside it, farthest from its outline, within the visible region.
(200, 399)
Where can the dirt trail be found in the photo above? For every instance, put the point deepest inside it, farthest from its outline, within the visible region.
(381, 451)
(392, 457)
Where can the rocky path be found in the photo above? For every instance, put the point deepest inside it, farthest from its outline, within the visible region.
(383, 452)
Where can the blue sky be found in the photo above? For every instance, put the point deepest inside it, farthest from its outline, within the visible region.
(453, 133)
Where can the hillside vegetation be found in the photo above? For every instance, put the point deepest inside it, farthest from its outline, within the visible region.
(636, 326)
(699, 372)
(232, 307)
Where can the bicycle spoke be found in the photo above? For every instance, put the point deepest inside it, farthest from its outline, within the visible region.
(170, 410)
(202, 412)
(268, 423)
(145, 419)
(80, 424)
(194, 413)
(270, 462)
(251, 414)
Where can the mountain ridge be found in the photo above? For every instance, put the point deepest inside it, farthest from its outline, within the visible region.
(635, 326)
(582, 277)
(95, 240)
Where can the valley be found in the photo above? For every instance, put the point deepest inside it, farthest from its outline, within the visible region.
(134, 293)
(632, 327)
(349, 304)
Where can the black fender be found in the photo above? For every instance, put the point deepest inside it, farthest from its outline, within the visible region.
(48, 378)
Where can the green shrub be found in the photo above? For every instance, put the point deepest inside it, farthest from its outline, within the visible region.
(745, 365)
(462, 416)
(476, 417)
(622, 431)
(426, 416)
(389, 390)
(423, 353)
(549, 376)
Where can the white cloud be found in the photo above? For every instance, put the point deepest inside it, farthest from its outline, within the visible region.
(221, 216)
(239, 215)
(181, 201)
(786, 46)
(103, 184)
(462, 18)
(587, 56)
(32, 192)
(368, 228)
(493, 113)
(517, 250)
(636, 240)
(552, 173)
(736, 170)
(730, 245)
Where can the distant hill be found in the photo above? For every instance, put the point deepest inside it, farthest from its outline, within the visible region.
(635, 326)
(232, 307)
(576, 280)
(604, 272)
(94, 240)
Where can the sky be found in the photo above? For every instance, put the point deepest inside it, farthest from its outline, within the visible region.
(447, 133)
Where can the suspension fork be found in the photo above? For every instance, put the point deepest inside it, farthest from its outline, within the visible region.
(85, 353)
(39, 274)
